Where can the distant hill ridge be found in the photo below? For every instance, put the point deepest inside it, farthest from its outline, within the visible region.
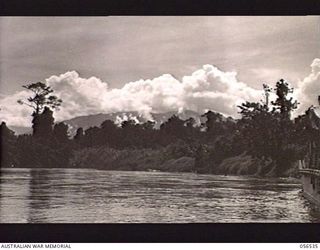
(88, 121)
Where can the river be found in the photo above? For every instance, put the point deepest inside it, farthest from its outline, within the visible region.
(94, 196)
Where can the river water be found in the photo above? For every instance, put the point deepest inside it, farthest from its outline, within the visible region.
(93, 196)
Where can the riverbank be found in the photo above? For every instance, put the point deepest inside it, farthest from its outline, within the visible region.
(247, 165)
(167, 160)
(178, 157)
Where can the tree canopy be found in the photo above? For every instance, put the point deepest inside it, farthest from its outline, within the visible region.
(264, 132)
(41, 97)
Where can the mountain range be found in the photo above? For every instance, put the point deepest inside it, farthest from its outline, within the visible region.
(88, 121)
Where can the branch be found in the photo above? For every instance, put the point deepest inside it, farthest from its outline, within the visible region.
(30, 105)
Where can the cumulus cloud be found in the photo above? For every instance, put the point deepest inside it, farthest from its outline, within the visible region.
(13, 113)
(309, 88)
(206, 88)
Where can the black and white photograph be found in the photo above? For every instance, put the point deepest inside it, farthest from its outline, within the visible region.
(160, 119)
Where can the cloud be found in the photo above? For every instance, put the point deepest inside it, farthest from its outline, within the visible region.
(206, 88)
(13, 113)
(309, 88)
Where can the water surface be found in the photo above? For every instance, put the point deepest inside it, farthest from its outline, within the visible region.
(93, 196)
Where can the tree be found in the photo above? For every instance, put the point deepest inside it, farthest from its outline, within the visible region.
(131, 132)
(42, 97)
(268, 133)
(43, 123)
(92, 137)
(174, 128)
(7, 146)
(249, 110)
(267, 90)
(216, 125)
(60, 132)
(41, 101)
(110, 134)
(284, 104)
(79, 135)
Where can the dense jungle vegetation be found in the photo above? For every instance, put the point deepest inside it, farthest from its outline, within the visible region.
(264, 141)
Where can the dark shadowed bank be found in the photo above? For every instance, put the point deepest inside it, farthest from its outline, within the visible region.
(265, 141)
(173, 159)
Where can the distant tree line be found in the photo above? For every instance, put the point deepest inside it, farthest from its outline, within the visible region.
(264, 131)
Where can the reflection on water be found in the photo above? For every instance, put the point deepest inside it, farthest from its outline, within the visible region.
(89, 196)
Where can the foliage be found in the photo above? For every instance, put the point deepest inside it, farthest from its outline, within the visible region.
(7, 144)
(264, 135)
(42, 123)
(283, 103)
(269, 133)
(42, 97)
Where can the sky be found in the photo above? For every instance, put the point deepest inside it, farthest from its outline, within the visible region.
(155, 64)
